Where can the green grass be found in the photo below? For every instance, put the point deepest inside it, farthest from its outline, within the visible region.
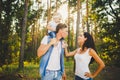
(31, 72)
(69, 69)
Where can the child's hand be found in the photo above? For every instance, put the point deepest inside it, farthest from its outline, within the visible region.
(53, 41)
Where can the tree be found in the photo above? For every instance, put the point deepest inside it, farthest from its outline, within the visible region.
(56, 2)
(88, 30)
(108, 12)
(6, 17)
(21, 59)
(49, 10)
(78, 20)
(68, 23)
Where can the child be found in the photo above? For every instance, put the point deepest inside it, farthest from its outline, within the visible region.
(52, 24)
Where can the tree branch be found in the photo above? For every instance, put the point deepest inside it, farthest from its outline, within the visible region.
(109, 13)
(113, 10)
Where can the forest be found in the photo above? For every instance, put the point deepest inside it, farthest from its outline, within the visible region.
(23, 25)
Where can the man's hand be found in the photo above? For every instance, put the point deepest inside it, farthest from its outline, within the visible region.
(64, 76)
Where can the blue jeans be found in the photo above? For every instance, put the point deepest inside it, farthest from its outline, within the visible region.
(52, 75)
(79, 78)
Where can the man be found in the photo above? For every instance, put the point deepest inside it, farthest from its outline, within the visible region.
(52, 55)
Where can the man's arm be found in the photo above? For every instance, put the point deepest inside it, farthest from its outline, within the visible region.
(43, 48)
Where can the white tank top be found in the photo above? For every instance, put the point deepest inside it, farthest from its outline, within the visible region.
(82, 63)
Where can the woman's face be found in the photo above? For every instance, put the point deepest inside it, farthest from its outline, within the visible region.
(81, 39)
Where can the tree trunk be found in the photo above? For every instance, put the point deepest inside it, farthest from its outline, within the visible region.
(88, 30)
(21, 59)
(56, 5)
(78, 21)
(49, 10)
(68, 24)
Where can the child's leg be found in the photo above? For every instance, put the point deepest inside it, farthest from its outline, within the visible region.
(52, 34)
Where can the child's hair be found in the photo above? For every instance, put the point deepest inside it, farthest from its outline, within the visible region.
(57, 15)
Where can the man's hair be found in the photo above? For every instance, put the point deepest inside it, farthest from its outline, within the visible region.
(60, 26)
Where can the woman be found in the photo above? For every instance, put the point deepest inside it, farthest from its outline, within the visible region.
(83, 56)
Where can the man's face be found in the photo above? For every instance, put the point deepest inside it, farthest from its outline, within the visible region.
(64, 32)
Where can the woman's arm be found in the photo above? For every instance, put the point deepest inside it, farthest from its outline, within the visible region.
(99, 61)
(70, 53)
(65, 45)
(44, 48)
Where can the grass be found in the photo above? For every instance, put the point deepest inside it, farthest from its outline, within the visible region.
(31, 72)
(69, 65)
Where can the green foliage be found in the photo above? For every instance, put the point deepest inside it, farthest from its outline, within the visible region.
(108, 19)
(11, 18)
(72, 3)
(6, 17)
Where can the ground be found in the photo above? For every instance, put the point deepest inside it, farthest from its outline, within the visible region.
(109, 73)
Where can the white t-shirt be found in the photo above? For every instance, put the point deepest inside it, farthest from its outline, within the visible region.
(52, 24)
(82, 64)
(54, 61)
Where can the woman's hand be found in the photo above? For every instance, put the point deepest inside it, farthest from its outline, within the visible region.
(64, 44)
(87, 74)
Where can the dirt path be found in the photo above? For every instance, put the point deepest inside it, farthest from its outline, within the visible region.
(109, 73)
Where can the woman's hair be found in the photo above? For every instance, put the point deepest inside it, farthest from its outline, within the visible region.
(60, 26)
(89, 43)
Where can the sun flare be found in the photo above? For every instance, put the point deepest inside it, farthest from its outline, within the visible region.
(63, 11)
